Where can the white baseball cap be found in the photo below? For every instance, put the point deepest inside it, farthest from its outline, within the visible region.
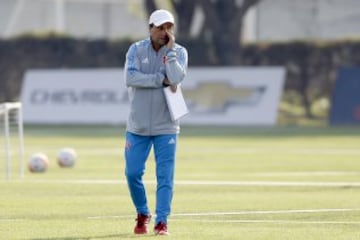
(160, 17)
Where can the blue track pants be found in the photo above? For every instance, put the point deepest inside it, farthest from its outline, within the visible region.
(137, 150)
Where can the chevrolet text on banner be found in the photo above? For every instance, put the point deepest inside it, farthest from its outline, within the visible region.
(214, 95)
(89, 96)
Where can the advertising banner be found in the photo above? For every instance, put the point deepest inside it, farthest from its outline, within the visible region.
(214, 95)
(345, 108)
(89, 96)
(233, 95)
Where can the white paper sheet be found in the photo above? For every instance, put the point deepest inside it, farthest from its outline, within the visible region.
(176, 103)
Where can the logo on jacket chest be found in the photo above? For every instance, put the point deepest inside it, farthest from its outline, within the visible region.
(145, 60)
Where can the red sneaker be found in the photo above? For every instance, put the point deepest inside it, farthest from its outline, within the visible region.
(141, 223)
(161, 229)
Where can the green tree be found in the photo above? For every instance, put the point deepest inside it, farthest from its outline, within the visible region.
(221, 28)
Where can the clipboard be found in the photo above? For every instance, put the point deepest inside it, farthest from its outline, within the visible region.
(176, 103)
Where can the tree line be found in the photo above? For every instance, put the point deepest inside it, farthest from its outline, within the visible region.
(311, 67)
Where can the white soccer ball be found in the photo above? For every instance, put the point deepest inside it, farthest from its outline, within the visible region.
(66, 157)
(38, 163)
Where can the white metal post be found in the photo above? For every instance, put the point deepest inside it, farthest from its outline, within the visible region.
(7, 143)
(6, 109)
(59, 16)
(19, 6)
(21, 141)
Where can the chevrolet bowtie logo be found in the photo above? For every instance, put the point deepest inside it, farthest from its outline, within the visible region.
(219, 96)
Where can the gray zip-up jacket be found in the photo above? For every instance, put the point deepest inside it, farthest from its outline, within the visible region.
(145, 71)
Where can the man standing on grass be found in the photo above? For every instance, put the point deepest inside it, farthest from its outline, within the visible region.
(152, 64)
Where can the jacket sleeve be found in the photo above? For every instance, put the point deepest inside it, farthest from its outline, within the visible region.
(176, 64)
(133, 75)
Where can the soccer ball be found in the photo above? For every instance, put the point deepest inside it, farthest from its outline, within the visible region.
(66, 157)
(38, 163)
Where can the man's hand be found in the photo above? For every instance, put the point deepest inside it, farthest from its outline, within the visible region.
(173, 88)
(170, 34)
(166, 82)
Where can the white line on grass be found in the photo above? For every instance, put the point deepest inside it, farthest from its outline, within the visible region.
(271, 183)
(297, 151)
(211, 183)
(275, 221)
(256, 212)
(304, 174)
(268, 212)
(240, 150)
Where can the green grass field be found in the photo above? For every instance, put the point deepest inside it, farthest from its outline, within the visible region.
(231, 183)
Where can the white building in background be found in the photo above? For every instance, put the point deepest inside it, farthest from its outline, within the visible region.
(282, 20)
(78, 18)
(270, 20)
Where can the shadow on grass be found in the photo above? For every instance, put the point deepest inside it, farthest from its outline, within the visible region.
(118, 236)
